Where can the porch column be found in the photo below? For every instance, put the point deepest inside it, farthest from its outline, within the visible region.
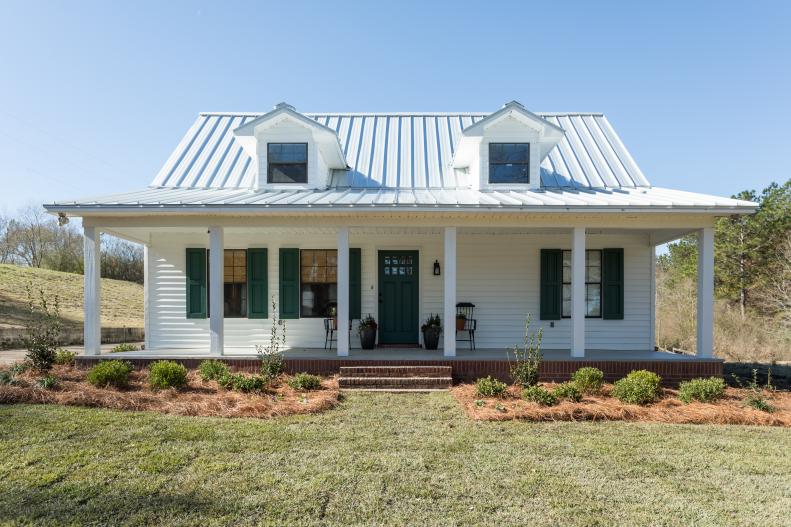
(578, 292)
(705, 320)
(449, 309)
(343, 292)
(216, 289)
(92, 327)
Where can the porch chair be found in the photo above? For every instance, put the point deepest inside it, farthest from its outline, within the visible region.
(470, 323)
(331, 330)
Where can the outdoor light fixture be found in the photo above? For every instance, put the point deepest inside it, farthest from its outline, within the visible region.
(436, 268)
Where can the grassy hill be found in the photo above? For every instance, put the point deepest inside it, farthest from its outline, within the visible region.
(122, 302)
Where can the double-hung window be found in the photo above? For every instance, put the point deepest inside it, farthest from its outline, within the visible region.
(318, 282)
(509, 163)
(592, 284)
(287, 163)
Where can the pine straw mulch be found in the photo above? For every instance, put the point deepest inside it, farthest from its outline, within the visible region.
(668, 409)
(198, 398)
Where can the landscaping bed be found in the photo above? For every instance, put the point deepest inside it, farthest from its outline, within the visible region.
(667, 408)
(197, 398)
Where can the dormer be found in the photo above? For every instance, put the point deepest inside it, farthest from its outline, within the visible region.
(504, 150)
(292, 150)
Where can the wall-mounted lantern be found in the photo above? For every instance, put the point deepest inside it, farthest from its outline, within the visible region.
(436, 268)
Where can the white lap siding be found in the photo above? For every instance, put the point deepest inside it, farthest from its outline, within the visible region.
(498, 273)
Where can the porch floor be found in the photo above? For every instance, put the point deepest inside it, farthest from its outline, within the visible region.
(418, 354)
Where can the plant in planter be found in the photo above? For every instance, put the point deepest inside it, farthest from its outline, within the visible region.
(367, 330)
(461, 321)
(431, 328)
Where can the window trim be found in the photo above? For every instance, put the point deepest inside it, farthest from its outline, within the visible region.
(528, 162)
(599, 283)
(301, 282)
(269, 164)
(208, 285)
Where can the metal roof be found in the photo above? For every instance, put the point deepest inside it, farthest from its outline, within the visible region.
(429, 199)
(402, 151)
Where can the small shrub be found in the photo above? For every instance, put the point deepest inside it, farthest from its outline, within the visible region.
(49, 382)
(64, 357)
(167, 374)
(527, 360)
(228, 380)
(756, 397)
(489, 387)
(305, 381)
(243, 383)
(8, 377)
(42, 331)
(19, 368)
(588, 380)
(540, 395)
(110, 373)
(272, 365)
(271, 355)
(212, 370)
(639, 387)
(703, 390)
(568, 390)
(124, 346)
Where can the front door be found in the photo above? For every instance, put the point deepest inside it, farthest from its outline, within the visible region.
(398, 297)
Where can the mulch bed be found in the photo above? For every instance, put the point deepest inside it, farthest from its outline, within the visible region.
(667, 409)
(198, 398)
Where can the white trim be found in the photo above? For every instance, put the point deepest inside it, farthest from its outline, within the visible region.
(705, 300)
(92, 299)
(652, 266)
(449, 290)
(343, 291)
(578, 292)
(146, 298)
(217, 293)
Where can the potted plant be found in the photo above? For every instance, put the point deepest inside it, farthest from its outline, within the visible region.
(431, 329)
(461, 321)
(367, 330)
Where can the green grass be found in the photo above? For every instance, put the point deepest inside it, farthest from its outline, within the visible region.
(383, 459)
(122, 302)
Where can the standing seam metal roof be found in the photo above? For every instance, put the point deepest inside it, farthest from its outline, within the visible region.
(403, 151)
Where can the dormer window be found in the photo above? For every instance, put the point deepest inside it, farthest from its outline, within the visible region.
(509, 163)
(287, 163)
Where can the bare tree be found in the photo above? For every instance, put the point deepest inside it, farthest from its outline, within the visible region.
(775, 294)
(31, 235)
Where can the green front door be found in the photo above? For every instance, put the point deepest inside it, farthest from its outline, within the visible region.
(398, 297)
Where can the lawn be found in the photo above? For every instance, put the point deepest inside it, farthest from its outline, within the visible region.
(122, 302)
(383, 459)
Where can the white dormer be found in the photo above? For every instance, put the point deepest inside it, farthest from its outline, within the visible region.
(292, 151)
(505, 149)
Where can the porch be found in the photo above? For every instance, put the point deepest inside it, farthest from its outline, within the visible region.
(467, 365)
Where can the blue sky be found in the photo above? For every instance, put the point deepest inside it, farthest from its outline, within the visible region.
(95, 95)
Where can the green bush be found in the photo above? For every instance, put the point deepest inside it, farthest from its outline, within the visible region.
(639, 387)
(305, 381)
(110, 373)
(124, 346)
(489, 387)
(272, 365)
(212, 370)
(65, 357)
(588, 380)
(243, 383)
(540, 395)
(8, 377)
(167, 374)
(48, 382)
(703, 390)
(568, 390)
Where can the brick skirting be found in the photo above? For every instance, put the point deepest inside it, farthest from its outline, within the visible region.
(671, 371)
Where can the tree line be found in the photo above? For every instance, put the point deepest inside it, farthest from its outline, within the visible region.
(752, 257)
(33, 238)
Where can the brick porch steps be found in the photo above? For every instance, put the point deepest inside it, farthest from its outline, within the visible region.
(395, 378)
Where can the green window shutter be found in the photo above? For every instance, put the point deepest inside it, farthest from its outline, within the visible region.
(257, 283)
(612, 284)
(551, 283)
(355, 284)
(289, 283)
(196, 283)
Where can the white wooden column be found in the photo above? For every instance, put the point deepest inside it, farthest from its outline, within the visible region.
(578, 292)
(652, 270)
(343, 292)
(705, 319)
(146, 300)
(92, 301)
(216, 289)
(449, 308)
